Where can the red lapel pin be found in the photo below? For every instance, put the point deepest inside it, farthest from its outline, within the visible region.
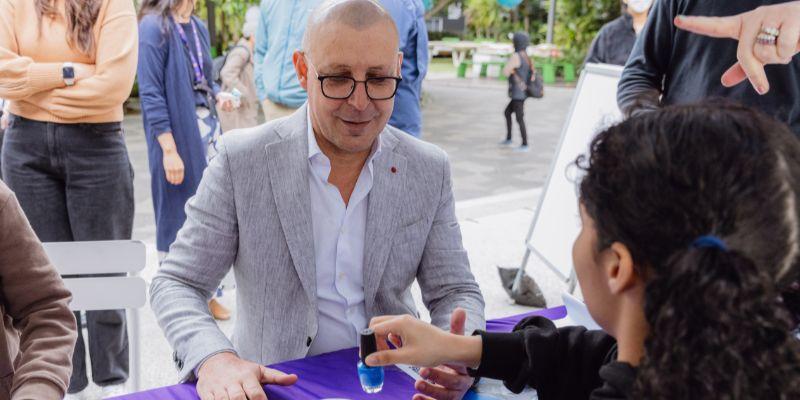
(394, 170)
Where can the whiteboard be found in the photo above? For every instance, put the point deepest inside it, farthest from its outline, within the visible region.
(557, 221)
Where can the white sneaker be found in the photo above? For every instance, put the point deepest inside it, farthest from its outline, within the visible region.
(114, 390)
(522, 149)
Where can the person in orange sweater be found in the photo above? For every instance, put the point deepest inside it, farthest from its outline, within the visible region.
(37, 330)
(67, 66)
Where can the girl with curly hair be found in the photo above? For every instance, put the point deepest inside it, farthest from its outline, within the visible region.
(690, 233)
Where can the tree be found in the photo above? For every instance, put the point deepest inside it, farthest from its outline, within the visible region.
(484, 17)
(577, 23)
(438, 6)
(228, 18)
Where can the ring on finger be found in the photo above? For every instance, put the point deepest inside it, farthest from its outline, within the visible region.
(771, 31)
(766, 39)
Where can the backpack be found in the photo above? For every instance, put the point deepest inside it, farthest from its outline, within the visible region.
(534, 87)
(219, 62)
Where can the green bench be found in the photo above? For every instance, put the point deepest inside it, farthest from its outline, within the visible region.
(461, 72)
(548, 69)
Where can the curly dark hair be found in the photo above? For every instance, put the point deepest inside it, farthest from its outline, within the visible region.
(658, 181)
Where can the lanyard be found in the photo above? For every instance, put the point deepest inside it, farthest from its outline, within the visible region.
(197, 65)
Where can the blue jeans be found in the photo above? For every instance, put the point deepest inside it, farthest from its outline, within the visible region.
(75, 183)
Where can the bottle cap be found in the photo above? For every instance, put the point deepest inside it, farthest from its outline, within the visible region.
(368, 343)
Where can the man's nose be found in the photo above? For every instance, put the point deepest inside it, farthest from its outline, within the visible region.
(359, 99)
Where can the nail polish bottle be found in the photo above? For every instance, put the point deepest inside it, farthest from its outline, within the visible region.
(371, 377)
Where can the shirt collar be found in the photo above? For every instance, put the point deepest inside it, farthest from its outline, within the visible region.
(313, 146)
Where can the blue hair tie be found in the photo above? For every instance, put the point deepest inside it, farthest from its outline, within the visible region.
(709, 241)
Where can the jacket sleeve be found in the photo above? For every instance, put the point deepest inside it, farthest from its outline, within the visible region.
(262, 44)
(153, 48)
(561, 363)
(444, 275)
(641, 84)
(595, 54)
(201, 255)
(38, 303)
(421, 42)
(234, 66)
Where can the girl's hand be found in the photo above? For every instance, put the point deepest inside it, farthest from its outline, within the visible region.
(173, 167)
(421, 344)
(753, 55)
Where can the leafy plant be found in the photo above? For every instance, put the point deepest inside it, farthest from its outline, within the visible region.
(577, 23)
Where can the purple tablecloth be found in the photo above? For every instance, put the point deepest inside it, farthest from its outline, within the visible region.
(333, 375)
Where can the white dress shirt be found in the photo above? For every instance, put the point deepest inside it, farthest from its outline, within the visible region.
(339, 233)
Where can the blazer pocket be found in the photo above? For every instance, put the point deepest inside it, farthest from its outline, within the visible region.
(411, 232)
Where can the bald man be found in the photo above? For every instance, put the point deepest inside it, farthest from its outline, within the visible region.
(327, 217)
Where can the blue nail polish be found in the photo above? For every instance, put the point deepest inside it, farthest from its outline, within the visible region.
(371, 378)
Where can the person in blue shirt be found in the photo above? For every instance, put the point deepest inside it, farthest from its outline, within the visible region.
(409, 16)
(280, 32)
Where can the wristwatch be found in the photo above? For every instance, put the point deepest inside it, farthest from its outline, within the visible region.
(68, 73)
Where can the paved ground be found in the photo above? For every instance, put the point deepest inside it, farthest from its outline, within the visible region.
(496, 191)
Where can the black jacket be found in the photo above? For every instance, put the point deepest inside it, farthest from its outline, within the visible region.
(614, 42)
(686, 68)
(560, 363)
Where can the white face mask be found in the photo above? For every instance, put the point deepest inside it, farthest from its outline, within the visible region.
(639, 6)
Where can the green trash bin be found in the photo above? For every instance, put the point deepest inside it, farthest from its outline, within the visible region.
(549, 73)
(461, 72)
(569, 72)
(484, 69)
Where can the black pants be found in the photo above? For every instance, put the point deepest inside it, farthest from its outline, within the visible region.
(516, 107)
(75, 183)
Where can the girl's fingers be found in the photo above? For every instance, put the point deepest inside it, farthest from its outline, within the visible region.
(719, 27)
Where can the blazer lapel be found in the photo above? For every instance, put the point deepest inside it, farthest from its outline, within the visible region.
(387, 188)
(288, 173)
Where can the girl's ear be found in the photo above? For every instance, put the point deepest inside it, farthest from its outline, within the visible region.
(619, 268)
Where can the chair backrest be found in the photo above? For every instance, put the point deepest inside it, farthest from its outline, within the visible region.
(101, 275)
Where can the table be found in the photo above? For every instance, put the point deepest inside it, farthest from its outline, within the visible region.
(333, 375)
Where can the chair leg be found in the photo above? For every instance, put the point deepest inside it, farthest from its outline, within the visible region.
(135, 345)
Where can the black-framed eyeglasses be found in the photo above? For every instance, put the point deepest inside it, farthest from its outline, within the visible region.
(342, 87)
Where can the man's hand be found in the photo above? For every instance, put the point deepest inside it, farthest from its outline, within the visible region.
(446, 382)
(225, 376)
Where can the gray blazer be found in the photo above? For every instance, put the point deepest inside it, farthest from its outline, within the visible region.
(252, 211)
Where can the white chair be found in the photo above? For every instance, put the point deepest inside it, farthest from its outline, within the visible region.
(96, 290)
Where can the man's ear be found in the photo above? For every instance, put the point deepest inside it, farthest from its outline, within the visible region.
(399, 63)
(620, 270)
(301, 68)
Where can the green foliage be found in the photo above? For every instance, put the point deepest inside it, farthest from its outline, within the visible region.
(486, 19)
(577, 23)
(229, 18)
